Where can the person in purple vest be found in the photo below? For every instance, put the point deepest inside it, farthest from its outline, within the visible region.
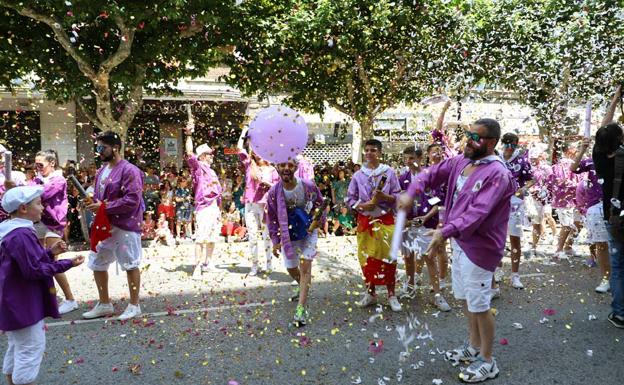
(27, 294)
(259, 177)
(422, 217)
(305, 168)
(435, 156)
(207, 191)
(54, 218)
(119, 186)
(562, 185)
(295, 200)
(517, 162)
(477, 211)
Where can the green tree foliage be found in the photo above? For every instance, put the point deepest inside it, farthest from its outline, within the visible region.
(104, 54)
(358, 56)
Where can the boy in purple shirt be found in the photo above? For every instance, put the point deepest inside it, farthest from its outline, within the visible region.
(375, 203)
(518, 164)
(422, 217)
(27, 293)
(119, 187)
(477, 211)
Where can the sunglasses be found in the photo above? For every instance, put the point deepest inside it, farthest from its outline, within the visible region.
(100, 149)
(510, 145)
(476, 137)
(39, 165)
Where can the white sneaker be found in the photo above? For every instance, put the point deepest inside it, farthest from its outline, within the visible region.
(99, 310)
(394, 303)
(494, 293)
(441, 303)
(67, 307)
(367, 300)
(603, 287)
(130, 312)
(254, 270)
(499, 274)
(515, 282)
(197, 272)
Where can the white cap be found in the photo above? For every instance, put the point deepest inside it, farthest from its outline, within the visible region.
(202, 149)
(20, 195)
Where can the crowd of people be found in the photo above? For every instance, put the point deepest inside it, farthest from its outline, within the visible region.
(465, 194)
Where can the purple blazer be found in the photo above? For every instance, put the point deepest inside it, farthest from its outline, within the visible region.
(54, 201)
(478, 218)
(562, 184)
(277, 214)
(205, 183)
(123, 193)
(364, 182)
(589, 190)
(27, 292)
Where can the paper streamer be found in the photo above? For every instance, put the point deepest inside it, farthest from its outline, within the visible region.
(588, 108)
(397, 236)
(8, 164)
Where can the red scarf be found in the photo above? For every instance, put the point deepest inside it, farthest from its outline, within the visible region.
(101, 227)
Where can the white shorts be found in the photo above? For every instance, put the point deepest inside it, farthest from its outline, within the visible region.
(415, 241)
(304, 249)
(535, 210)
(208, 224)
(568, 216)
(24, 353)
(44, 232)
(595, 223)
(123, 246)
(471, 283)
(516, 217)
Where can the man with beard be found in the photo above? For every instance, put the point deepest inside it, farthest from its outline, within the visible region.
(119, 187)
(291, 204)
(477, 211)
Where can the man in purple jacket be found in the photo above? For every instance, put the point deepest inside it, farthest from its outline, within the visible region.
(118, 185)
(298, 199)
(477, 211)
(208, 191)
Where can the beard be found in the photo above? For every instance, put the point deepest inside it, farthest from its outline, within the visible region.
(106, 158)
(474, 153)
(287, 177)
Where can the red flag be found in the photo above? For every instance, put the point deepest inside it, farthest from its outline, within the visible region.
(101, 227)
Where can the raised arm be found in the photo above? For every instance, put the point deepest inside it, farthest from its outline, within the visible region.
(608, 118)
(579, 155)
(440, 122)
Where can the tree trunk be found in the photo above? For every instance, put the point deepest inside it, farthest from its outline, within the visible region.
(362, 131)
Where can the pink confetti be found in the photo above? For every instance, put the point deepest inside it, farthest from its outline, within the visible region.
(232, 382)
(503, 341)
(375, 347)
(549, 312)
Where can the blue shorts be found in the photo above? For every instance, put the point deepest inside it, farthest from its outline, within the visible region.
(184, 214)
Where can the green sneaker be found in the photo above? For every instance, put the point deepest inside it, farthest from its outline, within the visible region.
(295, 295)
(301, 316)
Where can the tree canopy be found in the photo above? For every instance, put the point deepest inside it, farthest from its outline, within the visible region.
(104, 54)
(359, 57)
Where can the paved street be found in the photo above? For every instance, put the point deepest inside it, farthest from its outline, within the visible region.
(234, 329)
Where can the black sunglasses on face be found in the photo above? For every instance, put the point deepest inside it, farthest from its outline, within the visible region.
(476, 137)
